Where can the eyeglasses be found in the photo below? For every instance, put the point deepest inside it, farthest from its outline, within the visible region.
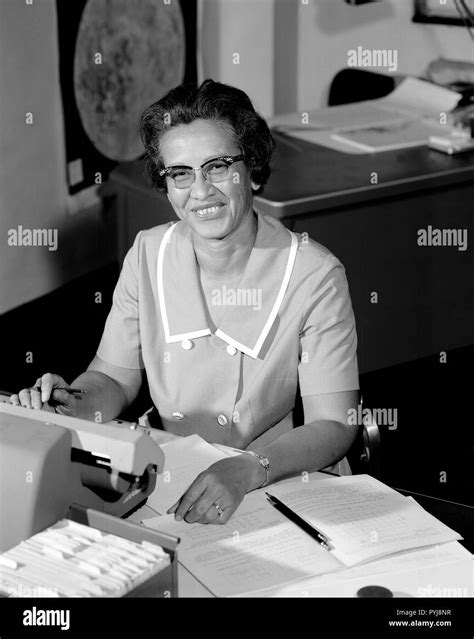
(215, 170)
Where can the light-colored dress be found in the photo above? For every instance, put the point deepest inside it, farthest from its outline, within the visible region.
(287, 324)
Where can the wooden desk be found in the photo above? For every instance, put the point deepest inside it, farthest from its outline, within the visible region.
(425, 294)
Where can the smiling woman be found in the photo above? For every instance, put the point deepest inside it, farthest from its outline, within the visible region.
(229, 200)
(226, 310)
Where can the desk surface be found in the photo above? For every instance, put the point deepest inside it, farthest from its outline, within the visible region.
(307, 177)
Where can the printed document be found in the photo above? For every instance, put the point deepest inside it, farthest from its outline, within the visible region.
(259, 548)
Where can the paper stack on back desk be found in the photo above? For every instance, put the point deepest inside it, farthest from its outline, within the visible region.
(185, 458)
(259, 548)
(399, 117)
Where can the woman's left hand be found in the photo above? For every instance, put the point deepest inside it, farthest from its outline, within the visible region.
(221, 487)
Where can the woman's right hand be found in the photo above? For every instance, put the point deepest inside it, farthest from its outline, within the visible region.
(47, 394)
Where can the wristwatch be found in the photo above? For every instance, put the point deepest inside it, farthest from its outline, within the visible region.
(264, 463)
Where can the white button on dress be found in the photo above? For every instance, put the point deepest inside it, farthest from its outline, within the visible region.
(231, 350)
(222, 420)
(187, 344)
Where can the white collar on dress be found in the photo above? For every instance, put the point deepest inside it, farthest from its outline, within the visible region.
(180, 298)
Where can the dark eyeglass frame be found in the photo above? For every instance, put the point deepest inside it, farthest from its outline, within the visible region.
(227, 159)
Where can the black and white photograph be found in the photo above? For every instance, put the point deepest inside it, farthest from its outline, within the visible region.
(237, 317)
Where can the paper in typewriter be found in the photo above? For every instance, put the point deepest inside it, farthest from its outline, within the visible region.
(363, 518)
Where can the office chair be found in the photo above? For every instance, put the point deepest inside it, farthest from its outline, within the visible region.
(364, 454)
(355, 85)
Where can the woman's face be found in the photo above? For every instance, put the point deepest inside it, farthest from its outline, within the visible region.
(192, 145)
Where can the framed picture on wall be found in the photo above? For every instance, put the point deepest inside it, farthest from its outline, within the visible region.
(453, 12)
(115, 59)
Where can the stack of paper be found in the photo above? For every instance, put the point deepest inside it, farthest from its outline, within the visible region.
(363, 518)
(260, 549)
(406, 117)
(389, 137)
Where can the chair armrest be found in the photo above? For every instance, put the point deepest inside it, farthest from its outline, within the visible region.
(364, 455)
(370, 438)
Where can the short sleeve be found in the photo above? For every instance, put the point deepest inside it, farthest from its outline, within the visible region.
(328, 338)
(120, 344)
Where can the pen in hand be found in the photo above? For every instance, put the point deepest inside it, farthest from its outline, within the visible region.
(300, 522)
(77, 392)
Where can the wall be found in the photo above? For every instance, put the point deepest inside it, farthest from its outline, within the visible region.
(32, 163)
(329, 28)
(243, 27)
(291, 49)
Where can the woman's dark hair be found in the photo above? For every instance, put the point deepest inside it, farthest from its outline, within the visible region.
(227, 106)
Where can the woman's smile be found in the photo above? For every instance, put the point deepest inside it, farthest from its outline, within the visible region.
(208, 211)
